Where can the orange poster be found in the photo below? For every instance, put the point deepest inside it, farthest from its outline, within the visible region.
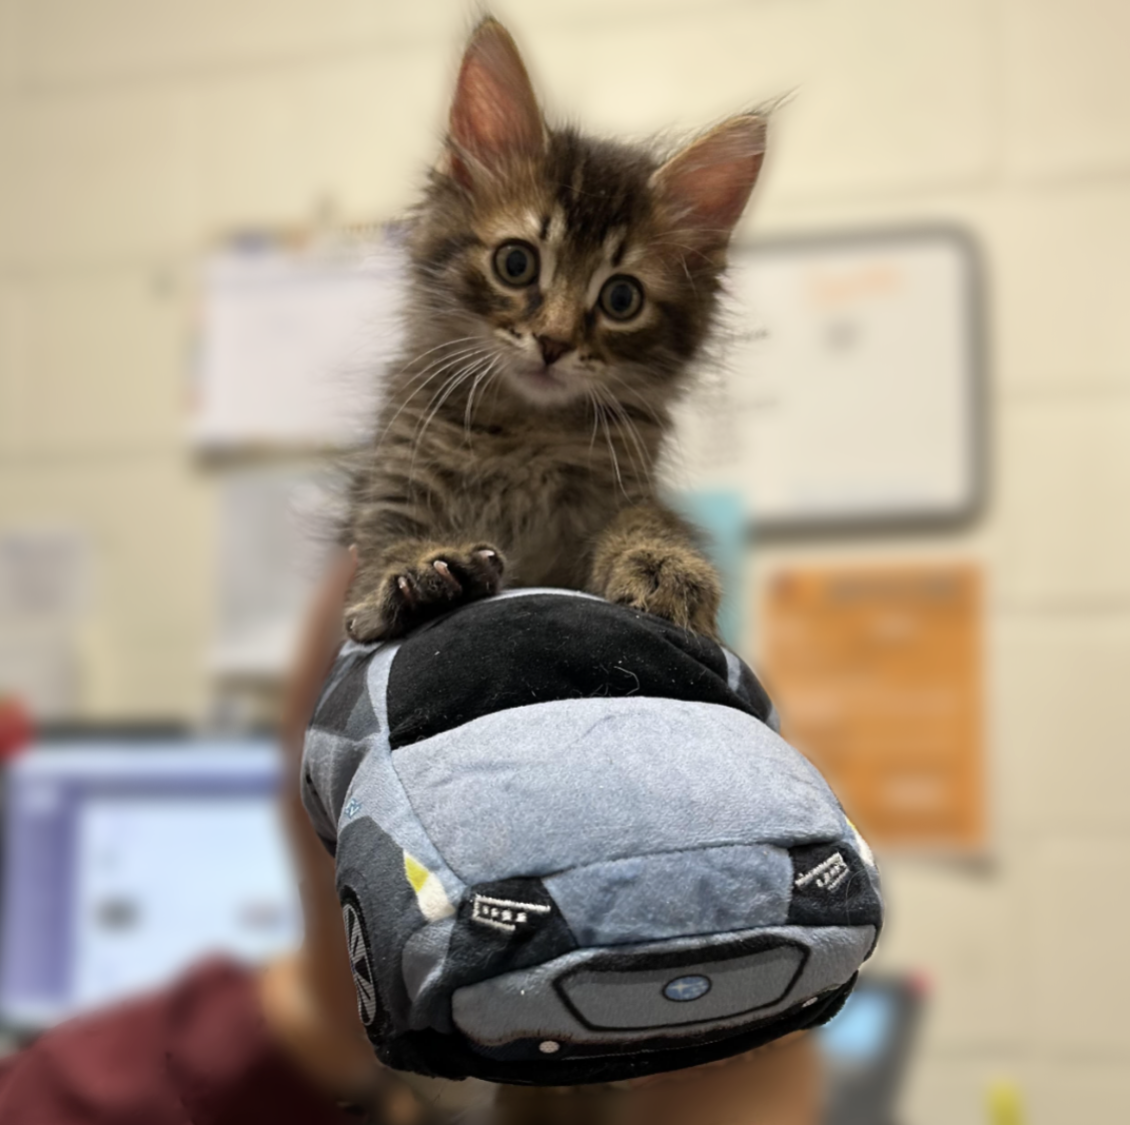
(877, 675)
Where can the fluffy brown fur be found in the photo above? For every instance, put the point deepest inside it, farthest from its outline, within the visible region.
(560, 289)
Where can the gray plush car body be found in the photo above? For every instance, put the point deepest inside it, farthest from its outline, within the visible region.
(572, 846)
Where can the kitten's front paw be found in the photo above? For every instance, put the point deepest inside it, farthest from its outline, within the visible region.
(670, 582)
(440, 580)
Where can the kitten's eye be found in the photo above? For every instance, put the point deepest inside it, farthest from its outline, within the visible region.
(621, 298)
(516, 263)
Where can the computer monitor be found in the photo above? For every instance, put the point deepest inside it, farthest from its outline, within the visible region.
(866, 1048)
(128, 857)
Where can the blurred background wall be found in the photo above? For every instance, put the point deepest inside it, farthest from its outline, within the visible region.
(134, 133)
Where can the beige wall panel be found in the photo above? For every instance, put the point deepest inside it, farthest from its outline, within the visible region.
(70, 42)
(1061, 286)
(950, 1091)
(1067, 94)
(1061, 723)
(1053, 1091)
(12, 438)
(1079, 915)
(102, 177)
(11, 60)
(274, 147)
(1061, 499)
(115, 380)
(371, 126)
(1071, 1092)
(872, 112)
(775, 211)
(133, 678)
(248, 152)
(9, 116)
(959, 928)
(150, 529)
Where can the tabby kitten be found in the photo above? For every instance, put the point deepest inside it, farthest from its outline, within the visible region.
(560, 288)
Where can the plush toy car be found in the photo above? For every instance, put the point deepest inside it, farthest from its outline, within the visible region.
(572, 847)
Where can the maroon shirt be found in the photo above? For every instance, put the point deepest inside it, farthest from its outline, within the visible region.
(196, 1054)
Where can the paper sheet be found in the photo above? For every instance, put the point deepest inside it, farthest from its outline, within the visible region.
(292, 343)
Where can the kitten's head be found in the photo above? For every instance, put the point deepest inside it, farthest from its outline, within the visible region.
(575, 266)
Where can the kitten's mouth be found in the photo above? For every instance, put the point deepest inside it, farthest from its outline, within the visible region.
(545, 377)
(544, 384)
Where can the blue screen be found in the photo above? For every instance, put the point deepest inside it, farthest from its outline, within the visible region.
(125, 863)
(862, 1030)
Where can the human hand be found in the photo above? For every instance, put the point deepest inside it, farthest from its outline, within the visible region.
(309, 1000)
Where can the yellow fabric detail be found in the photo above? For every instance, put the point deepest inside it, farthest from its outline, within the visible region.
(416, 872)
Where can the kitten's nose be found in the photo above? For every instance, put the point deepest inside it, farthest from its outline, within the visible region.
(551, 349)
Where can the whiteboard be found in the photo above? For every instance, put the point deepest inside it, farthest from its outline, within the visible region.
(289, 340)
(847, 389)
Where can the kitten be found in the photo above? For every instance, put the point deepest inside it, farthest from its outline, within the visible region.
(560, 288)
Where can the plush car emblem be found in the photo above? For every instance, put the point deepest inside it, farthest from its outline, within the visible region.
(504, 914)
(359, 964)
(682, 989)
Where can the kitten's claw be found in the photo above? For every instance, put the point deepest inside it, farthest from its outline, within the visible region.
(493, 560)
(437, 581)
(405, 588)
(445, 573)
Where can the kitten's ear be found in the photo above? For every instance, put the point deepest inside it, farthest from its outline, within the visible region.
(494, 115)
(708, 183)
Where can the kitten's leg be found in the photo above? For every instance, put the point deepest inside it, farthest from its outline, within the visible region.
(648, 558)
(413, 580)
